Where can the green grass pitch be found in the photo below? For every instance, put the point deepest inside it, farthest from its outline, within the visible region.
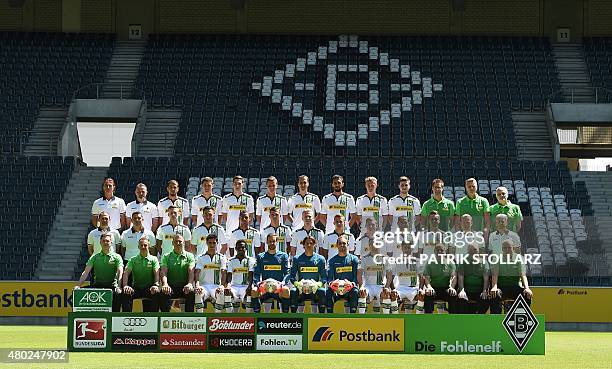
(564, 350)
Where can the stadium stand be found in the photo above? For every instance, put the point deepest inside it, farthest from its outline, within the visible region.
(45, 69)
(31, 190)
(598, 55)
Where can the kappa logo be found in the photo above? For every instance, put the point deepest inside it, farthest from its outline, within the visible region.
(520, 323)
(322, 334)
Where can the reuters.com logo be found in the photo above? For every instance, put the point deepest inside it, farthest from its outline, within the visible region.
(323, 334)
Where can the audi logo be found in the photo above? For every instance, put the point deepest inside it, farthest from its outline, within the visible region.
(134, 322)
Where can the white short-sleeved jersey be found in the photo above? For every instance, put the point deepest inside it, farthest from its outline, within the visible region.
(167, 232)
(232, 205)
(199, 234)
(373, 273)
(496, 240)
(405, 275)
(408, 207)
(284, 237)
(332, 205)
(240, 270)
(264, 203)
(210, 268)
(181, 203)
(297, 205)
(199, 202)
(374, 208)
(147, 209)
(298, 236)
(329, 244)
(130, 239)
(395, 249)
(93, 238)
(114, 207)
(365, 245)
(251, 236)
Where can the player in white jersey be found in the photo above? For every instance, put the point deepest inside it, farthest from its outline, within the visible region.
(405, 205)
(337, 202)
(131, 236)
(240, 277)
(394, 248)
(148, 209)
(249, 234)
(302, 201)
(206, 198)
(308, 229)
(209, 276)
(404, 282)
(199, 233)
(111, 204)
(365, 242)
(173, 199)
(372, 206)
(282, 231)
(269, 200)
(234, 203)
(93, 238)
(329, 248)
(165, 234)
(373, 291)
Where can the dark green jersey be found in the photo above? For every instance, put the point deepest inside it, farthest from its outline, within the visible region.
(439, 274)
(178, 267)
(143, 270)
(105, 268)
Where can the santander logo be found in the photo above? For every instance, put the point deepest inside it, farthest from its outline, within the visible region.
(231, 325)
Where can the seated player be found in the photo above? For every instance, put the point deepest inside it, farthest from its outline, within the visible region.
(270, 271)
(308, 276)
(440, 281)
(373, 291)
(508, 279)
(144, 284)
(209, 276)
(240, 278)
(404, 282)
(473, 284)
(343, 277)
(176, 275)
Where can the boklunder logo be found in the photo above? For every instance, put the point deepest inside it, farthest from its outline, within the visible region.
(322, 334)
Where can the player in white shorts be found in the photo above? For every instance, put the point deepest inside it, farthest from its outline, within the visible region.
(307, 230)
(209, 276)
(329, 249)
(404, 282)
(302, 201)
(268, 201)
(206, 198)
(371, 206)
(337, 202)
(234, 203)
(372, 291)
(240, 278)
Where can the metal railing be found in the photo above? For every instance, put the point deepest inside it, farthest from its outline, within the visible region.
(601, 95)
(98, 91)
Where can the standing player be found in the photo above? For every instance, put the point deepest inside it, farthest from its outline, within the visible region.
(475, 205)
(404, 205)
(344, 277)
(501, 234)
(93, 238)
(130, 238)
(282, 231)
(308, 276)
(302, 201)
(114, 206)
(329, 248)
(209, 277)
(173, 200)
(440, 281)
(508, 279)
(167, 232)
(199, 233)
(504, 206)
(107, 268)
(234, 203)
(372, 206)
(240, 277)
(271, 270)
(473, 284)
(404, 282)
(203, 200)
(176, 276)
(144, 270)
(337, 203)
(307, 230)
(268, 201)
(144, 207)
(439, 203)
(247, 233)
(372, 290)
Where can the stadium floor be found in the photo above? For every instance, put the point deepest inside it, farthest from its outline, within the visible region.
(563, 350)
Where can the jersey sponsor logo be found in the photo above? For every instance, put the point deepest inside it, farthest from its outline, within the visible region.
(267, 208)
(374, 209)
(311, 269)
(168, 237)
(249, 241)
(406, 274)
(374, 268)
(356, 334)
(403, 208)
(89, 333)
(303, 206)
(344, 269)
(212, 266)
(241, 270)
(272, 267)
(231, 325)
(237, 207)
(337, 207)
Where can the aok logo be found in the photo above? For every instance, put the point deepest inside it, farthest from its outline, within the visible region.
(93, 297)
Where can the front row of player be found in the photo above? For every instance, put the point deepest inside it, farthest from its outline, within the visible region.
(248, 282)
